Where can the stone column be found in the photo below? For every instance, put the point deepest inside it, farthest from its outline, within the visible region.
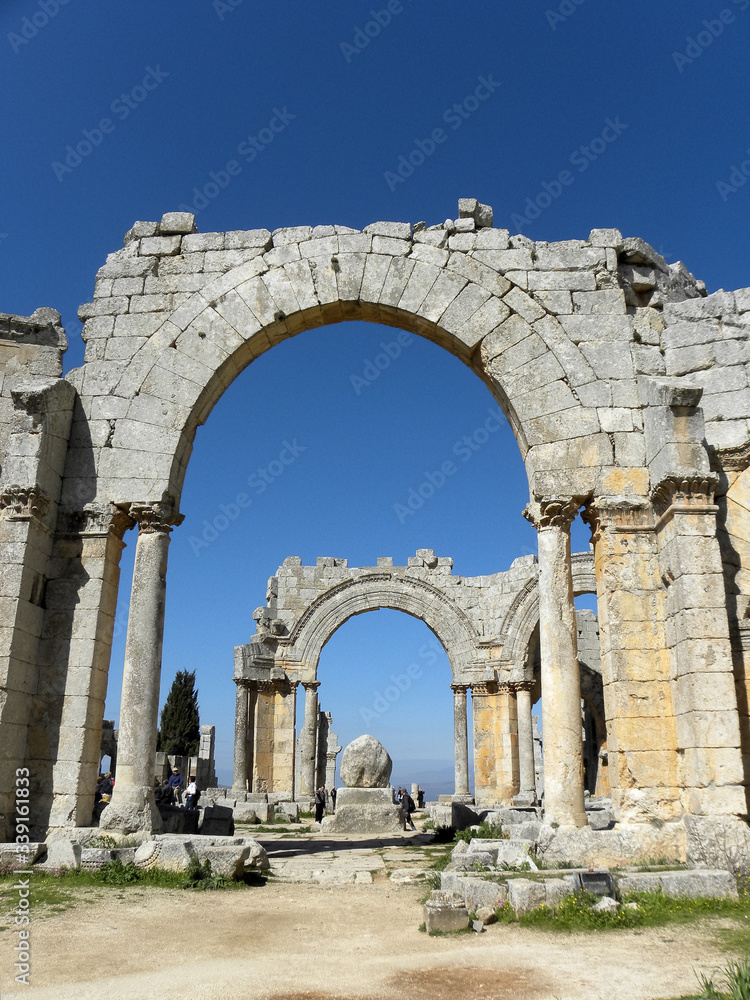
(239, 780)
(461, 739)
(527, 773)
(482, 704)
(309, 740)
(561, 682)
(132, 807)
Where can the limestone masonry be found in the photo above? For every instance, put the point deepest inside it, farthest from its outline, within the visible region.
(627, 389)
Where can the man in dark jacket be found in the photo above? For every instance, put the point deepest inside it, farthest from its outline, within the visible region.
(320, 803)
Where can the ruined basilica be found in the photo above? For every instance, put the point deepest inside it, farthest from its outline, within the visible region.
(626, 386)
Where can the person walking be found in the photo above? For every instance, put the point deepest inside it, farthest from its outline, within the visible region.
(320, 803)
(407, 808)
(333, 798)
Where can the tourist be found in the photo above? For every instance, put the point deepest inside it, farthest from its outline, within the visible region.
(420, 797)
(105, 786)
(407, 808)
(176, 784)
(320, 803)
(333, 798)
(191, 794)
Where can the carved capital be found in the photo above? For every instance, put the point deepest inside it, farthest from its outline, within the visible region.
(521, 685)
(311, 685)
(625, 514)
(155, 517)
(552, 512)
(459, 688)
(481, 690)
(735, 459)
(23, 503)
(97, 520)
(687, 495)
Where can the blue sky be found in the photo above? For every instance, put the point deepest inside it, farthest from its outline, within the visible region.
(290, 113)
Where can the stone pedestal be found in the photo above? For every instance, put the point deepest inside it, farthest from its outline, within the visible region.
(364, 810)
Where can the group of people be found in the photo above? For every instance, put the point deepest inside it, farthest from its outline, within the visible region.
(169, 792)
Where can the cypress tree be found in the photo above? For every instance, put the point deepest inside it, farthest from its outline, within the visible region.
(179, 730)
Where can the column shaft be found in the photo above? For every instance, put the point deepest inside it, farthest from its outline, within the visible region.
(525, 741)
(309, 740)
(561, 682)
(239, 780)
(132, 807)
(461, 739)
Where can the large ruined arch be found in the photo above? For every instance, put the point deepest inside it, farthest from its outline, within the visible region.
(415, 597)
(574, 339)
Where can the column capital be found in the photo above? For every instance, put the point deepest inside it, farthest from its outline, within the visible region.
(159, 516)
(521, 685)
(618, 513)
(459, 688)
(96, 520)
(685, 495)
(552, 512)
(310, 685)
(23, 503)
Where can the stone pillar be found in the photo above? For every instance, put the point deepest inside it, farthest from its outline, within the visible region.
(262, 765)
(285, 708)
(132, 807)
(241, 732)
(527, 774)
(705, 700)
(461, 739)
(638, 703)
(561, 682)
(308, 754)
(484, 742)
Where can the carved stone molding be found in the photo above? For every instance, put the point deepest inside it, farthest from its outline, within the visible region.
(458, 688)
(521, 685)
(310, 685)
(23, 503)
(687, 495)
(624, 514)
(552, 512)
(735, 459)
(155, 517)
(96, 520)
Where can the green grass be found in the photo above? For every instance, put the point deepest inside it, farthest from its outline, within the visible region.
(485, 831)
(729, 983)
(654, 909)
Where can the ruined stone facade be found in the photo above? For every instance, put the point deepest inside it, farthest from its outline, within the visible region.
(626, 388)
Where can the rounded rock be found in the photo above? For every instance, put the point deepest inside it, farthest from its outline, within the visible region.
(365, 763)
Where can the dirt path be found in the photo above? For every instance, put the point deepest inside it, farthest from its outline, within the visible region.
(295, 941)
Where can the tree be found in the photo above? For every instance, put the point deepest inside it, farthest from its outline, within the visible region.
(180, 730)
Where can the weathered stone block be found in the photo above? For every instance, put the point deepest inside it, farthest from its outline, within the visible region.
(445, 913)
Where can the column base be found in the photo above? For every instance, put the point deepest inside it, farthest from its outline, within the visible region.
(132, 810)
(525, 799)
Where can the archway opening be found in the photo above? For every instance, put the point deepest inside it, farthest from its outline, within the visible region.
(299, 457)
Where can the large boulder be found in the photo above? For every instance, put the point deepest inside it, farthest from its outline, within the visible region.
(365, 763)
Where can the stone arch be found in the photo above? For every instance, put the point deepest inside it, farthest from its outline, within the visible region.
(415, 597)
(522, 618)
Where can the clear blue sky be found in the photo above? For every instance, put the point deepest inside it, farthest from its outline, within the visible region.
(186, 88)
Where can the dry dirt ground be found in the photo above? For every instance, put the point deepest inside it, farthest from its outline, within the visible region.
(313, 942)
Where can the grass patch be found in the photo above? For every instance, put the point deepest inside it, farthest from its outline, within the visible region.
(730, 983)
(485, 831)
(653, 909)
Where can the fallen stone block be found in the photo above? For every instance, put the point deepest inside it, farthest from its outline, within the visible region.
(405, 876)
(226, 860)
(710, 884)
(288, 811)
(245, 812)
(475, 891)
(486, 914)
(216, 821)
(445, 912)
(606, 905)
(257, 859)
(21, 855)
(170, 854)
(525, 895)
(63, 854)
(95, 857)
